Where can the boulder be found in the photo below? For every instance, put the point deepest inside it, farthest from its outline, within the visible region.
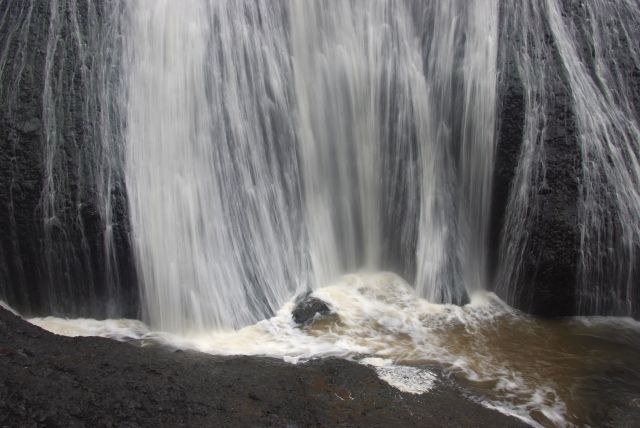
(307, 308)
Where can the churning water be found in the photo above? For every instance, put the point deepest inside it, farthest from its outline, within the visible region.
(549, 373)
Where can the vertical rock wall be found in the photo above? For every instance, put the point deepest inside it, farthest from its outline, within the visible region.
(64, 245)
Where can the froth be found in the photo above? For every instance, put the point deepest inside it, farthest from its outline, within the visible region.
(380, 321)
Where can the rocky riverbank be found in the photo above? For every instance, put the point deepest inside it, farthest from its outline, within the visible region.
(50, 380)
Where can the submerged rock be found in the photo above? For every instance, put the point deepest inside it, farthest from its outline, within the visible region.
(307, 307)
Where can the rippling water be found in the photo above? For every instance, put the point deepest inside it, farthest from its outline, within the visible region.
(547, 372)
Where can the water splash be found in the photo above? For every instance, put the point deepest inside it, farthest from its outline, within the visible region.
(545, 372)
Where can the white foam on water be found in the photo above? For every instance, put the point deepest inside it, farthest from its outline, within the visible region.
(616, 322)
(377, 320)
(554, 410)
(413, 380)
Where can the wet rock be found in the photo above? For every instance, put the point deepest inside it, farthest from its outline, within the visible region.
(307, 308)
(38, 255)
(30, 126)
(546, 278)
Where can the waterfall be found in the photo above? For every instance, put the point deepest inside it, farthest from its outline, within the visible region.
(270, 145)
(212, 164)
(214, 158)
(523, 45)
(402, 183)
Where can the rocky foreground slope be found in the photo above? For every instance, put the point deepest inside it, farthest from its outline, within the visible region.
(50, 380)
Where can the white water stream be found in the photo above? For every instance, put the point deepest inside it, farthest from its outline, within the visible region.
(274, 146)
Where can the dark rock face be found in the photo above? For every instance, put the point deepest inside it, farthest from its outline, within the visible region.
(547, 282)
(49, 380)
(551, 269)
(64, 244)
(544, 280)
(307, 308)
(21, 174)
(568, 249)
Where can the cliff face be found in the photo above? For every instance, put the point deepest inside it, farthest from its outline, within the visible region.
(535, 223)
(21, 143)
(545, 280)
(567, 151)
(64, 245)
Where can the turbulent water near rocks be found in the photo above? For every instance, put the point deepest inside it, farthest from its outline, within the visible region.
(549, 373)
(246, 151)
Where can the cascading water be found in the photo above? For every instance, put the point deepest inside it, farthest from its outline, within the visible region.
(212, 166)
(270, 148)
(523, 44)
(257, 137)
(264, 149)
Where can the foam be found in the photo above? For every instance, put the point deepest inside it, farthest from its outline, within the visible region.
(379, 321)
(413, 380)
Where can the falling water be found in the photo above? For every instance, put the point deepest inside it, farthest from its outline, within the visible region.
(270, 145)
(524, 49)
(266, 148)
(97, 140)
(212, 162)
